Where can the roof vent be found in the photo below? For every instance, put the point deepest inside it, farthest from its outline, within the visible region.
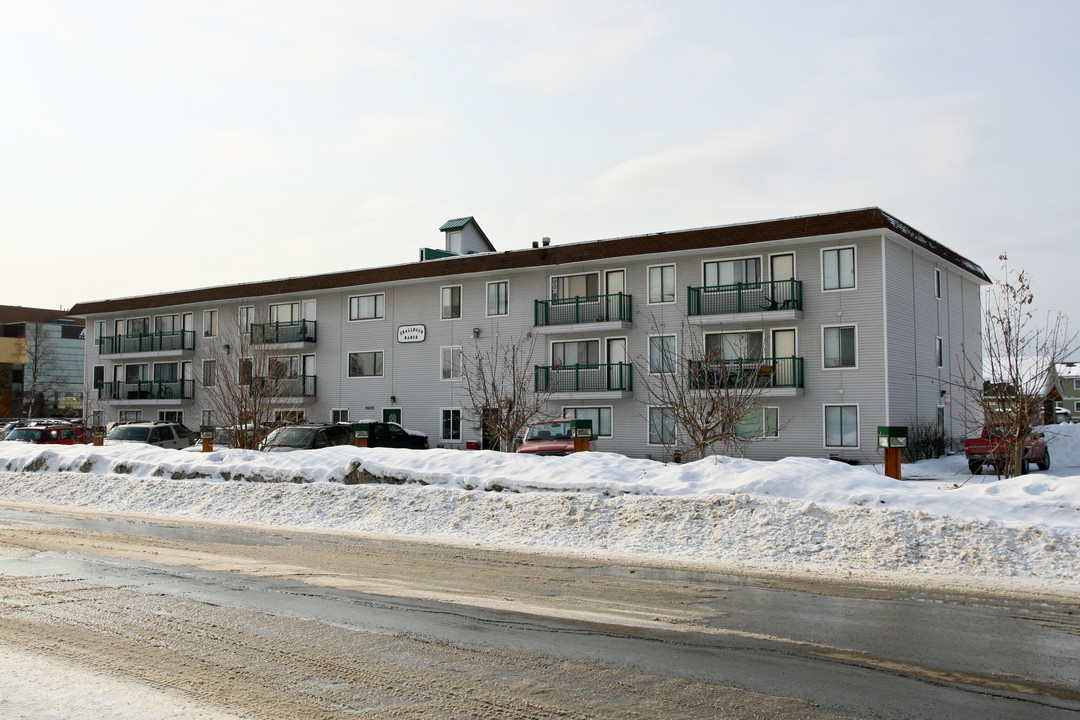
(546, 241)
(536, 244)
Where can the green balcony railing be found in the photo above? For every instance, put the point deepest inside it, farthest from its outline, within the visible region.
(163, 341)
(147, 390)
(591, 308)
(300, 386)
(584, 378)
(769, 372)
(744, 297)
(283, 332)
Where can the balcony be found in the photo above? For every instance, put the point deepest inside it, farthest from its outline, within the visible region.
(297, 332)
(746, 302)
(288, 386)
(155, 392)
(605, 380)
(597, 312)
(164, 343)
(771, 375)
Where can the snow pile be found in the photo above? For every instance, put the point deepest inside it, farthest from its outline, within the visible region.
(797, 514)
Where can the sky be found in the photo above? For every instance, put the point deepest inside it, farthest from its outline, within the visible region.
(156, 146)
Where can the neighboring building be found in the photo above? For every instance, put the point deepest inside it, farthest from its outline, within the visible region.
(41, 362)
(1069, 376)
(857, 316)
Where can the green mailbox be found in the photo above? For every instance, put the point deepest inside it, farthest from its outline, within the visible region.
(582, 427)
(892, 436)
(360, 430)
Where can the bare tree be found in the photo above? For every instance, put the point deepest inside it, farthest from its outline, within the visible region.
(711, 397)
(39, 371)
(249, 383)
(1008, 386)
(504, 391)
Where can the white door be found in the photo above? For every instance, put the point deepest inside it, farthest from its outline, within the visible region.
(307, 310)
(617, 367)
(783, 346)
(782, 270)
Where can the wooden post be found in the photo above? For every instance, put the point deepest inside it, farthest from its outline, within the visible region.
(892, 463)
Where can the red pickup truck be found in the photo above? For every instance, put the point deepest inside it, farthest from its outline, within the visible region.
(992, 447)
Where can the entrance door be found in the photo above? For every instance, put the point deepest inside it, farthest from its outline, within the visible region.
(616, 357)
(614, 284)
(781, 271)
(783, 350)
(391, 415)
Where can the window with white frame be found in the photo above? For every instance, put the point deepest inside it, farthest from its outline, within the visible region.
(138, 326)
(450, 363)
(498, 298)
(285, 312)
(99, 376)
(451, 424)
(366, 307)
(339, 415)
(730, 272)
(570, 286)
(166, 323)
(1076, 383)
(1076, 407)
(661, 284)
(662, 354)
(940, 353)
(735, 345)
(661, 426)
(838, 268)
(283, 366)
(600, 416)
(937, 283)
(839, 347)
(209, 323)
(209, 373)
(841, 426)
(575, 352)
(246, 316)
(130, 415)
(173, 416)
(99, 331)
(366, 364)
(451, 302)
(760, 422)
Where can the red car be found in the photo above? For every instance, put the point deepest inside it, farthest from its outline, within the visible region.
(994, 447)
(47, 434)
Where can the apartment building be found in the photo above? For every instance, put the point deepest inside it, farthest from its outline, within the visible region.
(856, 318)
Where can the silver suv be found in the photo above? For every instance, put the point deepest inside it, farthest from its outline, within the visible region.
(162, 434)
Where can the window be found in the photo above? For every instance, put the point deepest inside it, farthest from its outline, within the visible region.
(579, 352)
(662, 284)
(130, 415)
(247, 370)
(207, 417)
(451, 425)
(283, 366)
(838, 268)
(760, 422)
(366, 364)
(138, 326)
(730, 272)
(661, 426)
(662, 354)
(339, 415)
(841, 426)
(568, 286)
(1076, 383)
(99, 376)
(99, 331)
(940, 353)
(97, 418)
(285, 313)
(172, 416)
(450, 363)
(838, 344)
(209, 373)
(600, 416)
(166, 323)
(246, 317)
(734, 346)
(209, 323)
(1076, 407)
(451, 302)
(937, 283)
(366, 307)
(453, 241)
(498, 298)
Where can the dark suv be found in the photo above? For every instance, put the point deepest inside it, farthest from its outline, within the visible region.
(390, 434)
(307, 437)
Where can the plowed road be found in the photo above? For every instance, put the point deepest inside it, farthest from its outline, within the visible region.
(219, 622)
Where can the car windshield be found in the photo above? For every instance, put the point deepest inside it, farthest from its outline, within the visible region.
(550, 431)
(26, 434)
(134, 434)
(290, 437)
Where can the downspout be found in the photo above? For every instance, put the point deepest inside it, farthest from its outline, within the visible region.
(885, 329)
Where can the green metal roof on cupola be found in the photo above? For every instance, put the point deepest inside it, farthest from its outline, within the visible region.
(456, 224)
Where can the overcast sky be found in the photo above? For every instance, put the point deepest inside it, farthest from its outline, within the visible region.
(154, 146)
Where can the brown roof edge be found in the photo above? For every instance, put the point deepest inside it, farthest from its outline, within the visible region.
(18, 314)
(721, 236)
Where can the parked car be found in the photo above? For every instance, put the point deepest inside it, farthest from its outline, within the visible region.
(22, 422)
(551, 437)
(161, 434)
(391, 434)
(50, 434)
(308, 437)
(1062, 415)
(992, 447)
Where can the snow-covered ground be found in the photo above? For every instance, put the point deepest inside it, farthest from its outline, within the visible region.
(938, 527)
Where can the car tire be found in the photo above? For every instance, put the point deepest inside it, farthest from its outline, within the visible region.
(975, 466)
(1044, 464)
(1025, 466)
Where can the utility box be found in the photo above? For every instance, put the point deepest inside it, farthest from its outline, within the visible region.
(98, 433)
(892, 439)
(360, 433)
(582, 431)
(206, 433)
